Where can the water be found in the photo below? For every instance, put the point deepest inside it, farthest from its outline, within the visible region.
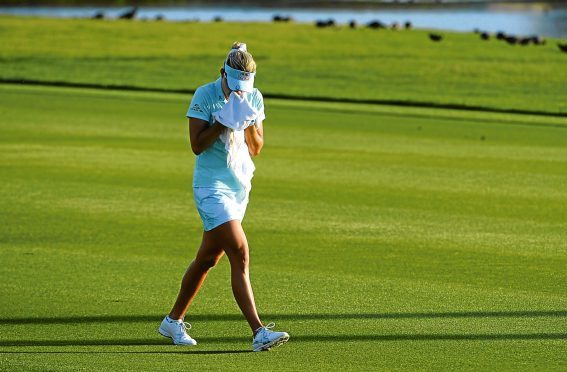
(521, 20)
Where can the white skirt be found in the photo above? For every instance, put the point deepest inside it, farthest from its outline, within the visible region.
(217, 206)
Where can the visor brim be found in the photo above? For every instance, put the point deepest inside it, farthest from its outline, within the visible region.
(239, 80)
(235, 84)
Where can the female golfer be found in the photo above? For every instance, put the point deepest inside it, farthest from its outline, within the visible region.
(225, 129)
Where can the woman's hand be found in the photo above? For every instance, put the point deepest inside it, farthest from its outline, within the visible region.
(202, 135)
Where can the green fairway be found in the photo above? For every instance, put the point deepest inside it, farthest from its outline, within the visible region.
(293, 59)
(381, 237)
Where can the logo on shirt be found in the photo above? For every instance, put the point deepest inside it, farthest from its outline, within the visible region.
(196, 107)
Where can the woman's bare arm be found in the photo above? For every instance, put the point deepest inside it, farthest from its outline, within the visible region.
(254, 136)
(202, 135)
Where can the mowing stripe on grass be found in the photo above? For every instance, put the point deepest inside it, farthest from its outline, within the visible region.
(389, 102)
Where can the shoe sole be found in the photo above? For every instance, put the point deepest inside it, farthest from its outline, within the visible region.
(171, 338)
(278, 342)
(163, 333)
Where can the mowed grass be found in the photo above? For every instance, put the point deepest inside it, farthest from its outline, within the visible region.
(293, 59)
(381, 237)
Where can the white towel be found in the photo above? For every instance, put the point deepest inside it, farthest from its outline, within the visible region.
(238, 114)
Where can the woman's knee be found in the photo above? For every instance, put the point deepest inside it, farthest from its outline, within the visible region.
(206, 263)
(233, 240)
(238, 256)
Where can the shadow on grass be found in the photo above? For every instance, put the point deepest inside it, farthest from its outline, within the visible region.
(276, 317)
(391, 102)
(298, 338)
(464, 118)
(196, 352)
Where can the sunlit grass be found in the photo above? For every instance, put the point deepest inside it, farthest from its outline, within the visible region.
(381, 237)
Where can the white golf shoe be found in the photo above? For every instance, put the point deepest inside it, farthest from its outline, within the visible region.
(266, 338)
(177, 331)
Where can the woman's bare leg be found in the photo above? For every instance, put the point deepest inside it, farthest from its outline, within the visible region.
(227, 238)
(233, 240)
(208, 255)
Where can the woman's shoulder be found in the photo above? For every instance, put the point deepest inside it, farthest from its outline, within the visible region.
(203, 101)
(257, 98)
(256, 93)
(206, 89)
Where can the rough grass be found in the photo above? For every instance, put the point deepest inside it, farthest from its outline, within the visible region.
(381, 238)
(293, 59)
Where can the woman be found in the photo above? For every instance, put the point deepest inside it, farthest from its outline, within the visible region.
(225, 128)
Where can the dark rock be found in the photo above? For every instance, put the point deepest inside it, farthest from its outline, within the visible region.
(537, 40)
(512, 40)
(130, 14)
(325, 23)
(376, 24)
(281, 18)
(435, 37)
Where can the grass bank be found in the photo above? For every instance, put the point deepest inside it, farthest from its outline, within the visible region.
(293, 59)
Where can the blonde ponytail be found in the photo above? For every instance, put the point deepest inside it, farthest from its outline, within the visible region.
(240, 59)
